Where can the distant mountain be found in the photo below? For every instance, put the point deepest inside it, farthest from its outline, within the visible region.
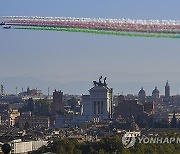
(10, 84)
(81, 87)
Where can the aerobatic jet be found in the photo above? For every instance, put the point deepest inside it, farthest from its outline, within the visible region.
(2, 23)
(7, 27)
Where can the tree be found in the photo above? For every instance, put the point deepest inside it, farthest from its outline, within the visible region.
(42, 107)
(72, 102)
(111, 145)
(101, 151)
(6, 148)
(63, 146)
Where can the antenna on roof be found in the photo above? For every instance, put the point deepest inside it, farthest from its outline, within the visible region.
(2, 90)
(16, 90)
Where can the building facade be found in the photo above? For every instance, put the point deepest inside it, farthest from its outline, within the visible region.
(13, 113)
(27, 120)
(19, 147)
(134, 108)
(98, 105)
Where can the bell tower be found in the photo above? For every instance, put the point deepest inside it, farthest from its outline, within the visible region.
(167, 90)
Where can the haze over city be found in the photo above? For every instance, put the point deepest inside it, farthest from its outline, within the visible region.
(70, 61)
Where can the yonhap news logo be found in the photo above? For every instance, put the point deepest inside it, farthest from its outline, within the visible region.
(130, 141)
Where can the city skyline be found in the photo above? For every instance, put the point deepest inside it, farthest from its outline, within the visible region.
(16, 85)
(65, 57)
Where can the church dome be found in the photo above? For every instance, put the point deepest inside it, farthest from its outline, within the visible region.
(155, 94)
(142, 94)
(155, 91)
(141, 91)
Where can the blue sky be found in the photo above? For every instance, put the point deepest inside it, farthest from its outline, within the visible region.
(65, 57)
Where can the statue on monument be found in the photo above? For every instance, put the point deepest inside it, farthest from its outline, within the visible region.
(100, 79)
(105, 84)
(100, 82)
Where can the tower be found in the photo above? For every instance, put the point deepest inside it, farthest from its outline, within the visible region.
(16, 90)
(48, 91)
(167, 90)
(57, 106)
(2, 90)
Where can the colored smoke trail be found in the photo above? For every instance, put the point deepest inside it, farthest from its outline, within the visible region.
(121, 27)
(100, 32)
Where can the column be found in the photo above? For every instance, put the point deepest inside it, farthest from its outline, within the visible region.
(102, 107)
(94, 107)
(99, 107)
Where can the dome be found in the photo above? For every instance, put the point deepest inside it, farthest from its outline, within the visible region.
(141, 91)
(155, 91)
(142, 94)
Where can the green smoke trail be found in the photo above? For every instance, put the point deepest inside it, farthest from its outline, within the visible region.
(93, 31)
